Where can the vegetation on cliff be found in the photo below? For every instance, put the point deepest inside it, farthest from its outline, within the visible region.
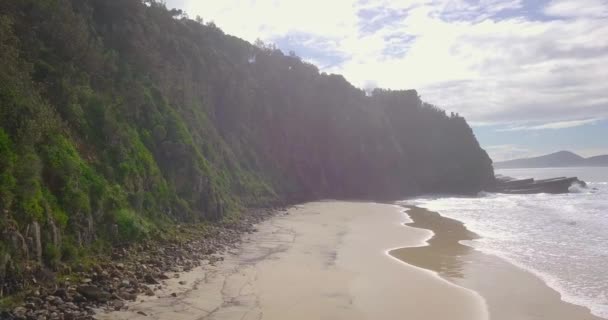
(120, 117)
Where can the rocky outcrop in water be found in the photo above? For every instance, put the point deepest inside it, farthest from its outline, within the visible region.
(531, 186)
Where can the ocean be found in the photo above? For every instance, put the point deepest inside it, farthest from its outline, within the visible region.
(561, 238)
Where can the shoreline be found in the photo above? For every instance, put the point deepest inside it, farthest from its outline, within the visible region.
(320, 260)
(329, 259)
(510, 291)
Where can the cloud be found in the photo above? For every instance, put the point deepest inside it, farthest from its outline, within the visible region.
(554, 125)
(506, 152)
(493, 61)
(568, 8)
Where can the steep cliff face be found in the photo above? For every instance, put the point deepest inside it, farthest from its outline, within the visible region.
(117, 117)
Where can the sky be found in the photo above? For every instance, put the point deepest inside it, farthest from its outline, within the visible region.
(531, 77)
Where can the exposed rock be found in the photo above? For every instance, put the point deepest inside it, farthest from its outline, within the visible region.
(44, 275)
(17, 241)
(128, 296)
(93, 293)
(5, 265)
(35, 244)
(149, 279)
(148, 292)
(20, 312)
(61, 292)
(78, 298)
(55, 233)
(111, 284)
(118, 304)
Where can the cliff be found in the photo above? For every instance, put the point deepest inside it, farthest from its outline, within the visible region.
(118, 118)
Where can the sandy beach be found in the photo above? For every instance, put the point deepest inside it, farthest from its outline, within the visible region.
(323, 260)
(355, 260)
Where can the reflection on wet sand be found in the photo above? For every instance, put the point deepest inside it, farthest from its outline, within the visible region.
(510, 292)
(444, 252)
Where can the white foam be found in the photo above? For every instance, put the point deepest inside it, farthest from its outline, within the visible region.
(560, 238)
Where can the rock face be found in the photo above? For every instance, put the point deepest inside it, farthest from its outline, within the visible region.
(17, 242)
(34, 241)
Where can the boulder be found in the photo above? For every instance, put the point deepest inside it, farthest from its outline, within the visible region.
(93, 293)
(149, 279)
(20, 312)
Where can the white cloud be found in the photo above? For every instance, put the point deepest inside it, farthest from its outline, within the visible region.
(265, 19)
(506, 152)
(578, 8)
(513, 69)
(554, 125)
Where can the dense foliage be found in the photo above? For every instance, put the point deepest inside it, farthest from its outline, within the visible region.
(118, 117)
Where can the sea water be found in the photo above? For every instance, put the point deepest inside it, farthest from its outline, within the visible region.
(561, 238)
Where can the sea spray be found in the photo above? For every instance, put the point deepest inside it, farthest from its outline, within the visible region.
(561, 238)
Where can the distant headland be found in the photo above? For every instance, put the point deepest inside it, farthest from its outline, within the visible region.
(557, 159)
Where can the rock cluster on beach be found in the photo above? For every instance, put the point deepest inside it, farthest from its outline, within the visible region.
(137, 270)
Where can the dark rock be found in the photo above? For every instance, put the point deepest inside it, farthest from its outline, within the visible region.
(61, 292)
(128, 296)
(71, 305)
(20, 312)
(142, 313)
(94, 293)
(118, 305)
(149, 279)
(29, 305)
(58, 301)
(148, 292)
(5, 315)
(174, 294)
(44, 275)
(78, 298)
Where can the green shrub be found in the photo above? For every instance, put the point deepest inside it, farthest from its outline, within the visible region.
(32, 205)
(131, 226)
(69, 250)
(51, 255)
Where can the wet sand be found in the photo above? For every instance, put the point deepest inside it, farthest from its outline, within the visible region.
(324, 260)
(510, 292)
